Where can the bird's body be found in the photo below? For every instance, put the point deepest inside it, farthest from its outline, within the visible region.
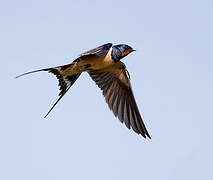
(88, 63)
(105, 68)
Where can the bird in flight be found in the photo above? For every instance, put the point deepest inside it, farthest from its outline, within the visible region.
(110, 74)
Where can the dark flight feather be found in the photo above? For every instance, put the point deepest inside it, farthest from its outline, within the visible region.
(118, 93)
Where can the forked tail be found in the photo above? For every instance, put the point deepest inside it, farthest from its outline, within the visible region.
(65, 80)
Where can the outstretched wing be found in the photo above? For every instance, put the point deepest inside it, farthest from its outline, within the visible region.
(99, 51)
(116, 87)
(65, 80)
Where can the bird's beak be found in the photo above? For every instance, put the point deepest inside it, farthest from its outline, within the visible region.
(130, 50)
(127, 52)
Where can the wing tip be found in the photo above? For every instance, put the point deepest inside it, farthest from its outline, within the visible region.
(146, 135)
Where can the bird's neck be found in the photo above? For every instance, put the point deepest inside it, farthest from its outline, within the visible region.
(116, 54)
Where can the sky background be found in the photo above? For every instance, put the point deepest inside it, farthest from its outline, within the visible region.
(171, 74)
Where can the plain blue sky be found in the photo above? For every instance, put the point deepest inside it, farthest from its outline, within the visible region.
(171, 74)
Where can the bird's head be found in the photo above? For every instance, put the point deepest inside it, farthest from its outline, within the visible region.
(120, 51)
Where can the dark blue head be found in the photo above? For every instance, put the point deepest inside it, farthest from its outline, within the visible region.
(120, 51)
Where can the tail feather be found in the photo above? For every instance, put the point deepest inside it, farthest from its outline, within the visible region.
(65, 84)
(65, 81)
(33, 72)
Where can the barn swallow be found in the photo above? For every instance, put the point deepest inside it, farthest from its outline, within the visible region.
(110, 74)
